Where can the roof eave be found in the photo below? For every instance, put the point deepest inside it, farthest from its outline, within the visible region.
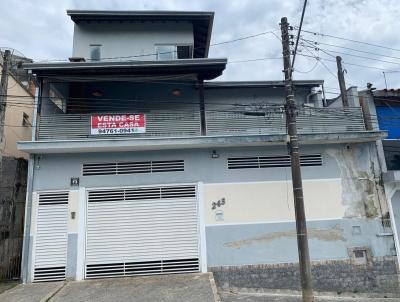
(205, 68)
(260, 84)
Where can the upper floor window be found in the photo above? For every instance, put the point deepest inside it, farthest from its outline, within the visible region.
(95, 52)
(25, 120)
(174, 52)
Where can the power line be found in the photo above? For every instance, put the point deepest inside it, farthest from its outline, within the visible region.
(244, 38)
(353, 55)
(298, 33)
(350, 40)
(167, 52)
(349, 48)
(20, 98)
(308, 71)
(336, 76)
(257, 59)
(352, 64)
(127, 100)
(319, 60)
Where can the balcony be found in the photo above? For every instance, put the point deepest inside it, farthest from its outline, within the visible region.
(167, 130)
(174, 124)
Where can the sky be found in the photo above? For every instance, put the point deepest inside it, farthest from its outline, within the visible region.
(41, 30)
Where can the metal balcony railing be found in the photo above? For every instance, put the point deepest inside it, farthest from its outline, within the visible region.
(187, 124)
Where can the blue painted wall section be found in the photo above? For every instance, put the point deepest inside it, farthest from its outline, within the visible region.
(268, 243)
(388, 119)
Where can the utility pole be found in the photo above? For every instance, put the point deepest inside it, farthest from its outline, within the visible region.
(342, 83)
(301, 227)
(3, 97)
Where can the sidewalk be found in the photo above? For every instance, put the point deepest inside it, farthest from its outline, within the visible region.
(172, 288)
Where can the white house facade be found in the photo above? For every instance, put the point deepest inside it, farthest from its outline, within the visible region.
(141, 164)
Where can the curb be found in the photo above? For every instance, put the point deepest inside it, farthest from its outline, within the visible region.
(53, 293)
(214, 287)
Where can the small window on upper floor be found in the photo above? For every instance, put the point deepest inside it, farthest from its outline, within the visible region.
(95, 52)
(184, 51)
(174, 52)
(25, 120)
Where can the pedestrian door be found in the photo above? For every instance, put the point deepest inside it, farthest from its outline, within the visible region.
(51, 237)
(141, 231)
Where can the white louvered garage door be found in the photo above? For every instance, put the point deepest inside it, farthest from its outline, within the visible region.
(141, 231)
(51, 237)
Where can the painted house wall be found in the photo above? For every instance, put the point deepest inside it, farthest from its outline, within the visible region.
(53, 171)
(341, 199)
(129, 39)
(387, 118)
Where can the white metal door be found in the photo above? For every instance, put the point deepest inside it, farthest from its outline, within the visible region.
(141, 231)
(51, 237)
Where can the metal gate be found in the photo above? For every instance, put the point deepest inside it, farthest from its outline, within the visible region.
(51, 237)
(141, 231)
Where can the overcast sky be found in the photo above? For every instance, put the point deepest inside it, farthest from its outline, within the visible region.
(41, 30)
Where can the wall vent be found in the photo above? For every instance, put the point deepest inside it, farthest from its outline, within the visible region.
(49, 274)
(143, 193)
(272, 161)
(142, 268)
(53, 198)
(121, 168)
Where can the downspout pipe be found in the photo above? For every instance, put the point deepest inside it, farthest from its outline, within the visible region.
(27, 240)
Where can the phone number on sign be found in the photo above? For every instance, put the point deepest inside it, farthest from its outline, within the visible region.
(118, 131)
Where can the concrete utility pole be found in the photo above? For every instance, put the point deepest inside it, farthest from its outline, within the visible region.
(342, 83)
(3, 96)
(301, 227)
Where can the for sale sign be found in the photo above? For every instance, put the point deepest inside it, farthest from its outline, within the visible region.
(117, 124)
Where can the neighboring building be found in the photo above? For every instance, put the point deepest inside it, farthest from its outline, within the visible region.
(19, 101)
(19, 107)
(141, 165)
(384, 108)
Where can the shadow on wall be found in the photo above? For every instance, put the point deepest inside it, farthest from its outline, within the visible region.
(13, 175)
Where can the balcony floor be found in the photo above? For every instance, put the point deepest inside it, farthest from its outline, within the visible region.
(142, 144)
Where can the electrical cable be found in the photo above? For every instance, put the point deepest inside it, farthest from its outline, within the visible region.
(308, 71)
(298, 34)
(350, 40)
(349, 48)
(352, 55)
(358, 65)
(167, 52)
(319, 60)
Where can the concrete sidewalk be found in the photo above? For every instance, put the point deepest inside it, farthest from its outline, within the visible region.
(171, 288)
(31, 292)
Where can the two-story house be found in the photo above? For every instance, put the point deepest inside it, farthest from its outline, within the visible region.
(140, 164)
(384, 110)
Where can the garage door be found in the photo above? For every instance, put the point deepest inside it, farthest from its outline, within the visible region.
(51, 237)
(142, 231)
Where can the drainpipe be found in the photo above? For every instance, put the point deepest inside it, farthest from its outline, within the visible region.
(26, 244)
(26, 259)
(323, 96)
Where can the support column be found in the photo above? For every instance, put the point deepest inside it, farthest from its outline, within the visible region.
(203, 126)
